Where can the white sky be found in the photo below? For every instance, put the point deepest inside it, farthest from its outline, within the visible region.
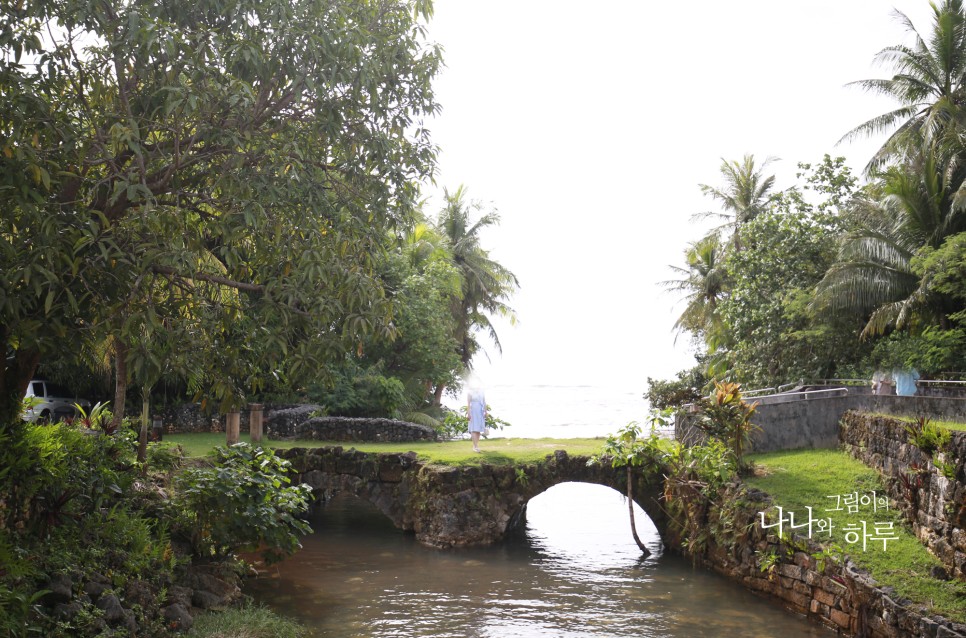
(589, 126)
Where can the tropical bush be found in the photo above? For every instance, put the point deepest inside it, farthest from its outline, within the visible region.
(355, 391)
(243, 501)
(726, 416)
(456, 423)
(70, 511)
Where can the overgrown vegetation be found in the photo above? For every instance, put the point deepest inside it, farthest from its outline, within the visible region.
(78, 514)
(808, 478)
(243, 501)
(726, 416)
(692, 474)
(833, 277)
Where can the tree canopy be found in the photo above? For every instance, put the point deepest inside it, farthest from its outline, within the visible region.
(208, 178)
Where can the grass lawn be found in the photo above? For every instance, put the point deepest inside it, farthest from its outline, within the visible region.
(496, 451)
(804, 478)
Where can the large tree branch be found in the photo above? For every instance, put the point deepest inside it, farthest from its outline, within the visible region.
(215, 279)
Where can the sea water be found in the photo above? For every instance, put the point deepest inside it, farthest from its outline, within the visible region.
(562, 411)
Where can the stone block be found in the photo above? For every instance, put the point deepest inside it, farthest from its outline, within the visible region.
(840, 618)
(791, 571)
(825, 597)
(800, 602)
(804, 560)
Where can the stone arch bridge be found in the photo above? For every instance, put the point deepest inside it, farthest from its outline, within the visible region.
(451, 506)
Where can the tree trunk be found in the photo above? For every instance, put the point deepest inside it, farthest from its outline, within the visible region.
(120, 382)
(630, 508)
(143, 435)
(438, 395)
(15, 375)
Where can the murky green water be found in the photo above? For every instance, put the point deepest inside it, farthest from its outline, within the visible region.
(575, 572)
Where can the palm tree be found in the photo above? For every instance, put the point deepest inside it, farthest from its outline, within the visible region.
(928, 83)
(912, 207)
(746, 194)
(704, 283)
(486, 284)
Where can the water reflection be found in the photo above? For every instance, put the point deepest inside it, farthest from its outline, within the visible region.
(574, 572)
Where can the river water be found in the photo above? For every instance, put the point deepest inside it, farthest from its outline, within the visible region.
(574, 571)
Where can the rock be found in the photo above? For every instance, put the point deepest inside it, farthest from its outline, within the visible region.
(938, 572)
(111, 606)
(67, 611)
(140, 593)
(213, 592)
(177, 618)
(207, 600)
(178, 595)
(60, 590)
(94, 590)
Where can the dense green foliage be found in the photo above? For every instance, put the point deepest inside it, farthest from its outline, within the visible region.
(242, 502)
(833, 279)
(67, 506)
(204, 185)
(76, 514)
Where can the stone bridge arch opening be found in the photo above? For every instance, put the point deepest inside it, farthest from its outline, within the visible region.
(448, 506)
(584, 520)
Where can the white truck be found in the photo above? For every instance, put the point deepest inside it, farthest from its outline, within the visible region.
(51, 402)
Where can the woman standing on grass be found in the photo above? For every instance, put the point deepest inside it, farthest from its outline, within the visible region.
(476, 411)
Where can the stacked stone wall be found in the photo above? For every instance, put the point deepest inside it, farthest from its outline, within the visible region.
(933, 503)
(287, 421)
(837, 595)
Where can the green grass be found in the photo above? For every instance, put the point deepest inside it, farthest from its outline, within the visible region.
(496, 451)
(806, 477)
(247, 622)
(949, 425)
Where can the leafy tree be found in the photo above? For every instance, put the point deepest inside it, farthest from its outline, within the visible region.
(209, 178)
(629, 449)
(421, 281)
(908, 210)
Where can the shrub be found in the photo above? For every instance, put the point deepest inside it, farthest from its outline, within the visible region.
(357, 392)
(676, 393)
(69, 507)
(250, 622)
(727, 417)
(456, 423)
(243, 502)
(927, 436)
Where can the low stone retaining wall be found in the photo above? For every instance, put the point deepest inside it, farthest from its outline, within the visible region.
(934, 504)
(297, 423)
(811, 420)
(837, 595)
(287, 421)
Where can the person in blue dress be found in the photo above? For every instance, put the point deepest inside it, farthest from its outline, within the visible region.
(476, 411)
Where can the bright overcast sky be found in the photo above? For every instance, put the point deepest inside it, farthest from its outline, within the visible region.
(589, 126)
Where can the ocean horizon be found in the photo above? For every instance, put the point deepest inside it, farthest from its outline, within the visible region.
(562, 411)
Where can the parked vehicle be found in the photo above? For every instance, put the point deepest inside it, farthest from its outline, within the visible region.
(51, 402)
